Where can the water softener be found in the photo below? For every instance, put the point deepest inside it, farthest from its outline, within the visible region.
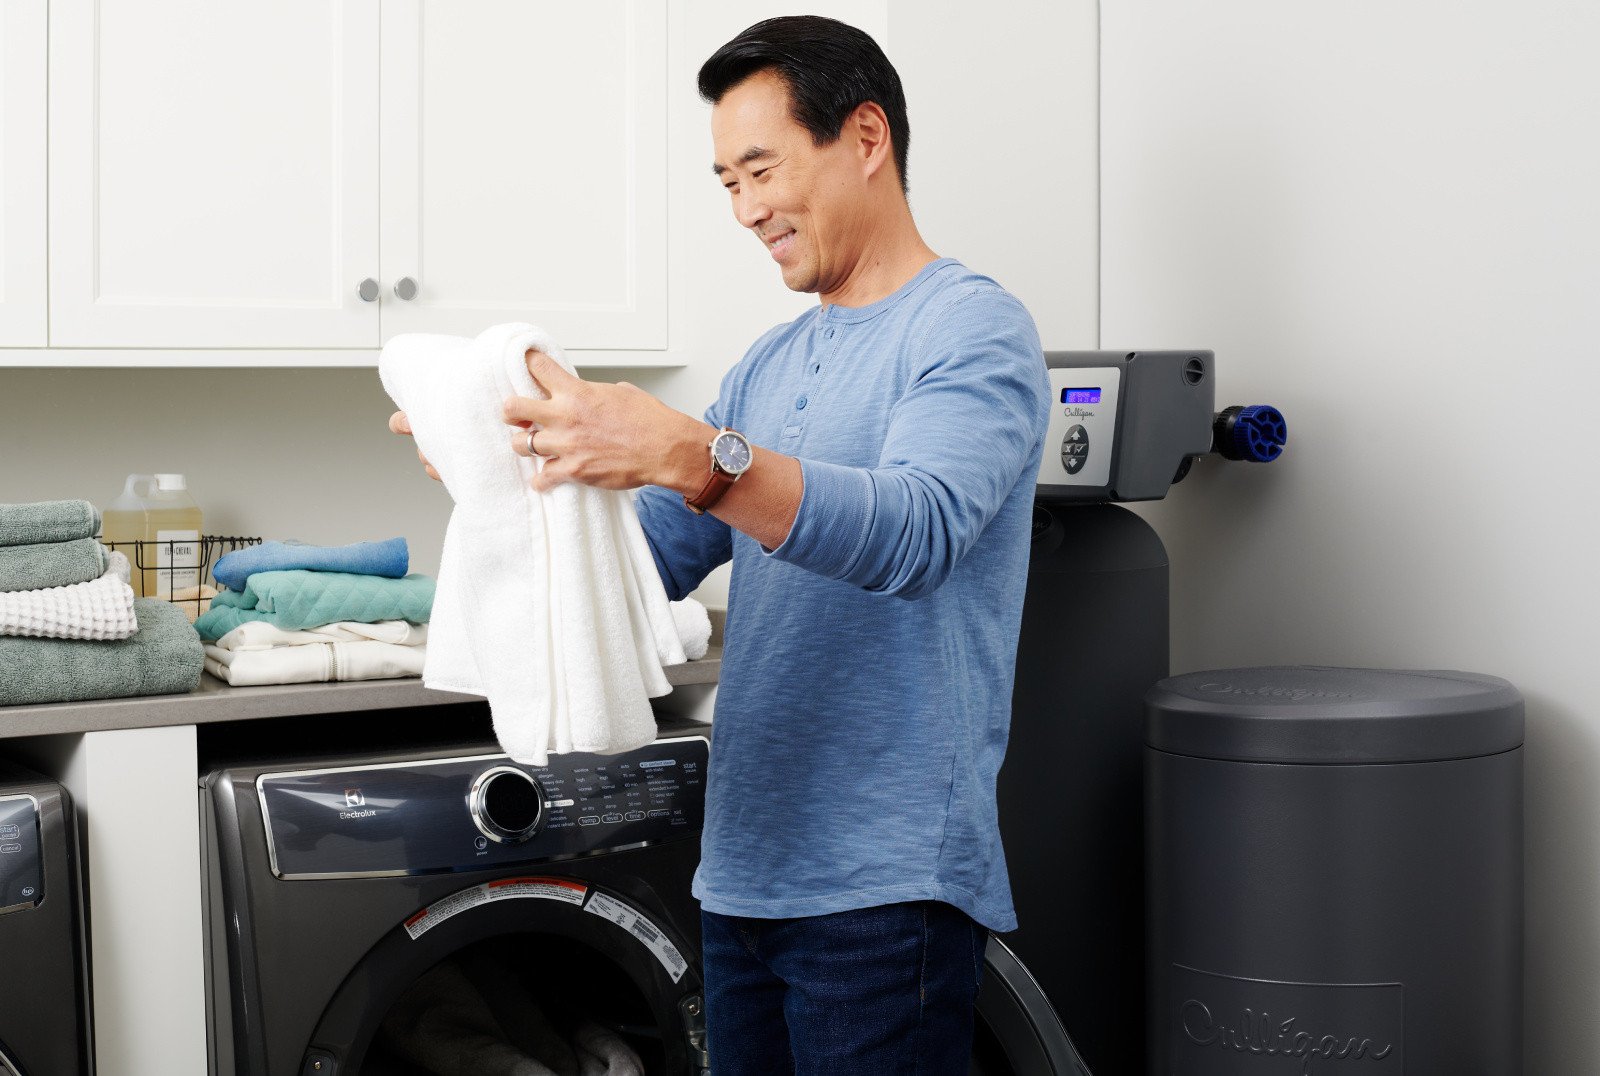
(1125, 426)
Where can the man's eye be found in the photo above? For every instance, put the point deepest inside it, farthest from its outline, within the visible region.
(758, 173)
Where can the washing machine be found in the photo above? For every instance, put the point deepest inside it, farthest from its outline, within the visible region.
(43, 980)
(360, 902)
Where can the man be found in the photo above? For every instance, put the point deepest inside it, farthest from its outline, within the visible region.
(874, 497)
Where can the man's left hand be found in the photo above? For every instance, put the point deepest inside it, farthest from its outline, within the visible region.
(611, 436)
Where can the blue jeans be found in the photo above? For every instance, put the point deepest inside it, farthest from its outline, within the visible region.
(873, 991)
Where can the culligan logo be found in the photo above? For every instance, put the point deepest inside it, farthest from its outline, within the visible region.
(1269, 692)
(1260, 1035)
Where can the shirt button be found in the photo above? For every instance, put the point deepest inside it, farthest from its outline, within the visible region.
(830, 334)
(817, 368)
(800, 404)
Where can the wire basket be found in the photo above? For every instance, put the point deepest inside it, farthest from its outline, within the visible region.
(176, 571)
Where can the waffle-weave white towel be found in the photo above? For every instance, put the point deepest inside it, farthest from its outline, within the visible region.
(99, 609)
(548, 604)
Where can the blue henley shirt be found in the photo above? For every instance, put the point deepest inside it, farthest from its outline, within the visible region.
(865, 696)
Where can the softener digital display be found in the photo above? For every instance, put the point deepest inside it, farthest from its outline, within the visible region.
(1080, 396)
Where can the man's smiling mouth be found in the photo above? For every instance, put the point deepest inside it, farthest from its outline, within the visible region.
(779, 244)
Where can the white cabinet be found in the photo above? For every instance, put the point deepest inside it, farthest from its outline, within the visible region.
(524, 168)
(226, 175)
(213, 173)
(22, 173)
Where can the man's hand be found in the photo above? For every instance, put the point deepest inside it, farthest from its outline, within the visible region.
(398, 423)
(610, 436)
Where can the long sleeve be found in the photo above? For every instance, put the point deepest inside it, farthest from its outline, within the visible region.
(970, 424)
(686, 547)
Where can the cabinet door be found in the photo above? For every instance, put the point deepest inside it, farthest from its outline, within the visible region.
(22, 173)
(524, 168)
(213, 173)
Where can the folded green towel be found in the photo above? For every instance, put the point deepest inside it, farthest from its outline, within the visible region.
(47, 521)
(163, 657)
(299, 599)
(51, 564)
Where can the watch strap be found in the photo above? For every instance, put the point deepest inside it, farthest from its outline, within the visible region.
(717, 483)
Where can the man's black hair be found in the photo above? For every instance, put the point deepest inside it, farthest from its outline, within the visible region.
(829, 67)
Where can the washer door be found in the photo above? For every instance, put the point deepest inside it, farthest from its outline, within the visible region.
(1018, 1032)
(559, 938)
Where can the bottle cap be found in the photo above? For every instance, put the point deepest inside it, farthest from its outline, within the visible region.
(171, 482)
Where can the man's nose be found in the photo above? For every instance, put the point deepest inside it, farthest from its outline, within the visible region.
(749, 209)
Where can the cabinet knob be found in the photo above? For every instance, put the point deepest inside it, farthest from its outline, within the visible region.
(368, 290)
(405, 288)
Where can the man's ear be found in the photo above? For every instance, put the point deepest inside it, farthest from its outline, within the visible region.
(870, 128)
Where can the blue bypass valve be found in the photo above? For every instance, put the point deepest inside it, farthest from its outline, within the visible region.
(1256, 433)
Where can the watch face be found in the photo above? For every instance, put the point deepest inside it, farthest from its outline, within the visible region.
(732, 452)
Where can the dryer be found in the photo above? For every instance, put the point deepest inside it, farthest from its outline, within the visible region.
(43, 988)
(336, 883)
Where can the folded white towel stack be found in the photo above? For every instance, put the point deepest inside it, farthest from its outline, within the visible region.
(257, 653)
(548, 604)
(99, 609)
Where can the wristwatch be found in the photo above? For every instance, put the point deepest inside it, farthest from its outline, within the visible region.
(730, 458)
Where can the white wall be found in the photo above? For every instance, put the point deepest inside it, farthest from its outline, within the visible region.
(1383, 218)
(304, 453)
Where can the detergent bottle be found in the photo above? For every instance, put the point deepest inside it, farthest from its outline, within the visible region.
(156, 512)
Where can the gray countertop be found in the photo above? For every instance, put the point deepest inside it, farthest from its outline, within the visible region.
(215, 701)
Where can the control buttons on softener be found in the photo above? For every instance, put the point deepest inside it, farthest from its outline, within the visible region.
(1075, 449)
(507, 804)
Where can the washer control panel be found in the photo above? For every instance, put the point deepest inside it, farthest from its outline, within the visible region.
(466, 813)
(21, 869)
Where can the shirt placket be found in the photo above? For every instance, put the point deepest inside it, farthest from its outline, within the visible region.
(804, 402)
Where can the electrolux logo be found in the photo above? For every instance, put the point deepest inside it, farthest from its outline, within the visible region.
(353, 797)
(1295, 693)
(1261, 1036)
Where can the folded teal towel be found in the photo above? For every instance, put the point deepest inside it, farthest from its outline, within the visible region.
(301, 599)
(47, 521)
(50, 564)
(390, 558)
(164, 657)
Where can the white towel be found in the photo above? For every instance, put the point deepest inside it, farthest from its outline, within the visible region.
(315, 663)
(548, 604)
(259, 635)
(694, 627)
(99, 609)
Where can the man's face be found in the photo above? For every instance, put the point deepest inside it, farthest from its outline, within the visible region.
(801, 200)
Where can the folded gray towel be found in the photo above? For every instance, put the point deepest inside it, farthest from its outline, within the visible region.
(47, 521)
(163, 657)
(51, 564)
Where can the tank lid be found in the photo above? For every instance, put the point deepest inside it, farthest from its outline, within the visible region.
(171, 482)
(1319, 714)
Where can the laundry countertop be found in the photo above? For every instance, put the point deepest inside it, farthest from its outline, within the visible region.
(215, 701)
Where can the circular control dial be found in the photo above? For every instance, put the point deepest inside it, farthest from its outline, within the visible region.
(507, 804)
